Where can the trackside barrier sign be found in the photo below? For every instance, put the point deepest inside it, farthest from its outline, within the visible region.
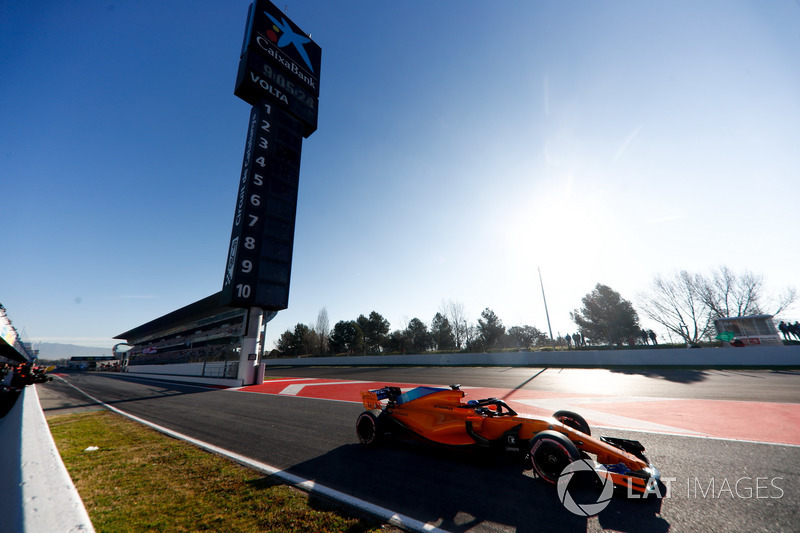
(279, 76)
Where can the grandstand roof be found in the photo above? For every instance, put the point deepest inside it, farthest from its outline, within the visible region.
(9, 352)
(205, 308)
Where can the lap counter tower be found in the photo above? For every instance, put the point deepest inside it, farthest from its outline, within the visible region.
(278, 76)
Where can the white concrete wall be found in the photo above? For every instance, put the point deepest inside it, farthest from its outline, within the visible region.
(191, 373)
(37, 492)
(751, 356)
(215, 369)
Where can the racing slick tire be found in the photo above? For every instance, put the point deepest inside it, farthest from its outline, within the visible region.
(369, 427)
(550, 454)
(573, 420)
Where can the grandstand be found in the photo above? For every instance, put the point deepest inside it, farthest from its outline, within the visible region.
(201, 332)
(12, 348)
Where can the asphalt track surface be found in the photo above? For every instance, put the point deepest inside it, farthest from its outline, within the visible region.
(717, 484)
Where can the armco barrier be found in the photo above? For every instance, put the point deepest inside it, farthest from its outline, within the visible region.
(37, 492)
(749, 357)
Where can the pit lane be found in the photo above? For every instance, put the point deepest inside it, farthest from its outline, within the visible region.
(717, 484)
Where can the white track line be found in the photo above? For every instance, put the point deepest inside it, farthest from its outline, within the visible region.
(390, 517)
(294, 390)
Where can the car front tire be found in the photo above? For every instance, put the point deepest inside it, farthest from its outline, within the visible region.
(550, 453)
(573, 420)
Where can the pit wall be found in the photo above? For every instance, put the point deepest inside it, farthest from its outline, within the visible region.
(37, 492)
(747, 357)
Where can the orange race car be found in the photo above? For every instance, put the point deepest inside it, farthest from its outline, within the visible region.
(439, 415)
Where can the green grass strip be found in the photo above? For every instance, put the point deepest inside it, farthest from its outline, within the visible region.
(141, 480)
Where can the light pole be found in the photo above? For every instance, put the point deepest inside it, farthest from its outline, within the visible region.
(546, 313)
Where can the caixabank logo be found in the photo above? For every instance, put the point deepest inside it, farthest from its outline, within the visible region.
(275, 37)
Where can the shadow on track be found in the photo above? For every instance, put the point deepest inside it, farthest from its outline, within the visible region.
(165, 389)
(464, 491)
(677, 376)
(522, 385)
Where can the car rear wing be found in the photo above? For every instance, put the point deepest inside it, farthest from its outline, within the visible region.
(372, 398)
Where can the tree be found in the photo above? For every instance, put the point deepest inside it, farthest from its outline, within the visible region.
(471, 339)
(728, 294)
(322, 331)
(442, 333)
(687, 304)
(379, 329)
(606, 316)
(346, 337)
(526, 337)
(490, 329)
(375, 328)
(454, 312)
(419, 338)
(301, 341)
(677, 304)
(397, 341)
(285, 343)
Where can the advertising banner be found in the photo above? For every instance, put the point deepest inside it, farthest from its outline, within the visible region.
(280, 64)
(275, 37)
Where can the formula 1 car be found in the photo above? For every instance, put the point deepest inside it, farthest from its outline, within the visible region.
(438, 415)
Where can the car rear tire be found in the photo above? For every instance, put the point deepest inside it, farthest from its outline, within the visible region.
(573, 420)
(369, 427)
(550, 454)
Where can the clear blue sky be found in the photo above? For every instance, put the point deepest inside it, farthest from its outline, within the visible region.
(461, 145)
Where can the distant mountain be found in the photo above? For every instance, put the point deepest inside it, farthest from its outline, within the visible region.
(54, 350)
